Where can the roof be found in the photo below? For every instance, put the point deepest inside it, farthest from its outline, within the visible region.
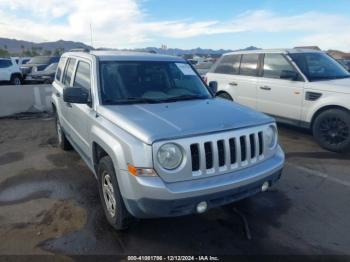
(314, 47)
(125, 56)
(272, 51)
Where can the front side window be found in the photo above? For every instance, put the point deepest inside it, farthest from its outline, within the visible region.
(67, 76)
(5, 63)
(82, 76)
(275, 65)
(249, 65)
(149, 82)
(229, 64)
(319, 66)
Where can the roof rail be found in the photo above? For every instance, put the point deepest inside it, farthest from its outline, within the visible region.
(85, 50)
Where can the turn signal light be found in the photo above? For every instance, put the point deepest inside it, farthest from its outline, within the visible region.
(136, 171)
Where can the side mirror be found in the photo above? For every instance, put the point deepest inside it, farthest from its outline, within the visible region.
(289, 75)
(213, 85)
(76, 95)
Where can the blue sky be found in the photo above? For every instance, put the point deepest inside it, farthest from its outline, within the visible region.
(186, 24)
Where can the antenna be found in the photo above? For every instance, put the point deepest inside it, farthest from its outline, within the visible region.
(92, 44)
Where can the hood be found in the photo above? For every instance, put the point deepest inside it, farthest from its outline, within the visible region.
(153, 122)
(43, 73)
(31, 65)
(337, 85)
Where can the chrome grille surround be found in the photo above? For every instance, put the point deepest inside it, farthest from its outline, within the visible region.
(187, 170)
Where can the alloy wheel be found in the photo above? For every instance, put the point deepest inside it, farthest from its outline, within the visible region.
(334, 130)
(108, 194)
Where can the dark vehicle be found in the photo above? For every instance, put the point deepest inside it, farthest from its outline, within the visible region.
(38, 63)
(45, 76)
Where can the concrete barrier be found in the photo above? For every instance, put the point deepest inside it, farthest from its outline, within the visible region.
(24, 99)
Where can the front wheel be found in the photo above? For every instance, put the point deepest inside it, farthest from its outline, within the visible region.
(225, 95)
(111, 198)
(331, 130)
(16, 80)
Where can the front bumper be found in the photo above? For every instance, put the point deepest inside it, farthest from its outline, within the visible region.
(147, 197)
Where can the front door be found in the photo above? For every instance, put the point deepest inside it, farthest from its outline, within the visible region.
(5, 72)
(79, 114)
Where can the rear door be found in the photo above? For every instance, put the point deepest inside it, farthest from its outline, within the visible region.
(225, 74)
(246, 82)
(276, 96)
(57, 91)
(66, 81)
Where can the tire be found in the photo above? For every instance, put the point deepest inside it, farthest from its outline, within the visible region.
(225, 95)
(63, 143)
(111, 198)
(331, 130)
(16, 80)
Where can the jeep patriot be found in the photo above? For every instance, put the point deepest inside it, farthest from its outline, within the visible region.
(156, 138)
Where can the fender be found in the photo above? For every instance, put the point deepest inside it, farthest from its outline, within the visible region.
(328, 99)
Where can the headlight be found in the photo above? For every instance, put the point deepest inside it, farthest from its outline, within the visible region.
(169, 156)
(270, 137)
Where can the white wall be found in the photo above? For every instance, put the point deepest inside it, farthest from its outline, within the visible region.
(26, 98)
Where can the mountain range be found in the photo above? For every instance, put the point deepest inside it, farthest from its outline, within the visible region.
(15, 46)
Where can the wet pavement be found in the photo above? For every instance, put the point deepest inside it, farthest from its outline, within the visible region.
(49, 203)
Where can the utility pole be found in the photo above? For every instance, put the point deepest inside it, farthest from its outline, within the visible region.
(92, 44)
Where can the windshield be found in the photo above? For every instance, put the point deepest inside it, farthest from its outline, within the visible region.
(51, 67)
(149, 82)
(39, 60)
(319, 66)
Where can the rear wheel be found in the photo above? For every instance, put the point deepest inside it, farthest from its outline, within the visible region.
(111, 198)
(225, 95)
(331, 130)
(16, 80)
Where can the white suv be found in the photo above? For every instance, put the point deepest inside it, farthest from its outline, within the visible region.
(302, 87)
(9, 71)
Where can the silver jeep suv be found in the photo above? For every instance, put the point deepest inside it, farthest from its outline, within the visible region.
(158, 141)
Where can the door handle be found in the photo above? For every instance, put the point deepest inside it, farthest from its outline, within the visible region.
(265, 88)
(233, 84)
(58, 94)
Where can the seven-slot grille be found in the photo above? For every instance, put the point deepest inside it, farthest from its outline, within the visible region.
(226, 154)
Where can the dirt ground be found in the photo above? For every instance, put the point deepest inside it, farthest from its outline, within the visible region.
(49, 204)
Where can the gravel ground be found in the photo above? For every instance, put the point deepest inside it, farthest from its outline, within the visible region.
(49, 204)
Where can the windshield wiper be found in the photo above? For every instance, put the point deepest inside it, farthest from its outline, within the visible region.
(131, 100)
(183, 97)
(325, 78)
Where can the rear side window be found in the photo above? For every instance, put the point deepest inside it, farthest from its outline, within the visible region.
(249, 65)
(5, 63)
(68, 72)
(60, 68)
(229, 64)
(274, 65)
(82, 76)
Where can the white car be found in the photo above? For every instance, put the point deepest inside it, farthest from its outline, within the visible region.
(306, 88)
(9, 71)
(21, 60)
